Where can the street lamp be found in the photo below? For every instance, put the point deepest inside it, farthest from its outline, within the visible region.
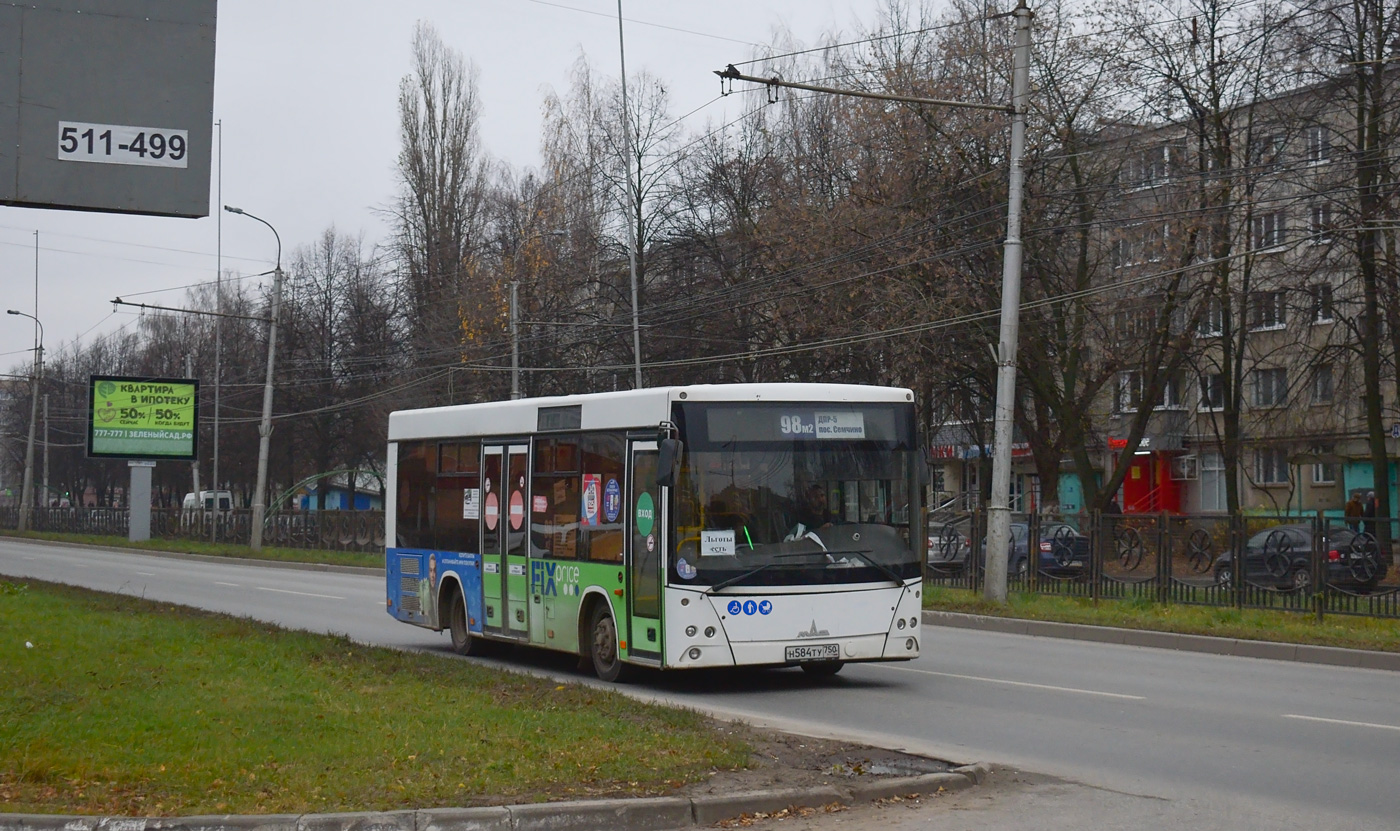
(26, 497)
(265, 426)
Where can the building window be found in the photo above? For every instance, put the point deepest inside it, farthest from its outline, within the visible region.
(1148, 167)
(1212, 318)
(1268, 310)
(1267, 152)
(1319, 144)
(1213, 481)
(1271, 466)
(1269, 230)
(1129, 391)
(1270, 387)
(1321, 294)
(1319, 223)
(1324, 473)
(1212, 392)
(1323, 390)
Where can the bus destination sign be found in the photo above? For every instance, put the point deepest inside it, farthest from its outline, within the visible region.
(143, 418)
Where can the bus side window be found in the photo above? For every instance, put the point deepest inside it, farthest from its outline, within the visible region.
(458, 474)
(554, 514)
(603, 470)
(417, 472)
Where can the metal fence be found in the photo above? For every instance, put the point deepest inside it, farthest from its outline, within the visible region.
(1310, 564)
(323, 530)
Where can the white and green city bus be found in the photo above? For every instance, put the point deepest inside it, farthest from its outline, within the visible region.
(675, 527)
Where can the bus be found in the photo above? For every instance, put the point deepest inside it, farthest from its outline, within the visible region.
(760, 525)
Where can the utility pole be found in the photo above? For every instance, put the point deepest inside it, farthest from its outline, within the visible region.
(999, 518)
(999, 511)
(46, 499)
(255, 533)
(26, 493)
(194, 465)
(514, 339)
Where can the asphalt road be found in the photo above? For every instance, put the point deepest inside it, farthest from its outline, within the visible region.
(1249, 742)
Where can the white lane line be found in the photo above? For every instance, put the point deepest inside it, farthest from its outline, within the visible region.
(300, 594)
(146, 573)
(1342, 721)
(231, 585)
(1015, 683)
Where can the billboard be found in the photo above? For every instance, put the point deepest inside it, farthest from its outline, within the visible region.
(107, 105)
(143, 418)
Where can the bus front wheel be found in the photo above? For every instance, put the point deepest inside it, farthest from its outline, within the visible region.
(607, 662)
(463, 641)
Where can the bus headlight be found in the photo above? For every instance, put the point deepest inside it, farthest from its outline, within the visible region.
(694, 653)
(690, 631)
(910, 644)
(709, 631)
(913, 623)
(901, 623)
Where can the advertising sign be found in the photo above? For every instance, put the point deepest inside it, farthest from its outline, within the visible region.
(143, 418)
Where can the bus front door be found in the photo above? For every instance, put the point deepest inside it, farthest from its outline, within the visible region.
(646, 542)
(505, 538)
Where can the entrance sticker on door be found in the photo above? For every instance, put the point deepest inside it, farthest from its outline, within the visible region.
(646, 514)
(471, 503)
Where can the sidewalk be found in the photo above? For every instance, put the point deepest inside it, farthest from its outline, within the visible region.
(1330, 655)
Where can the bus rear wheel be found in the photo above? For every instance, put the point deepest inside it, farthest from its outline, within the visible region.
(602, 631)
(463, 641)
(822, 669)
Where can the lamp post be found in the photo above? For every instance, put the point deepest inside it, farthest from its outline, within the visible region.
(255, 533)
(26, 498)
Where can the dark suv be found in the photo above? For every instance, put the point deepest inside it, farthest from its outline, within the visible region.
(1061, 551)
(1280, 558)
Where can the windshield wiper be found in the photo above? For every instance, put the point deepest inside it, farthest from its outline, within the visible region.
(724, 584)
(864, 554)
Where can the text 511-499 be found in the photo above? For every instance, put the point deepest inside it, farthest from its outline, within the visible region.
(79, 141)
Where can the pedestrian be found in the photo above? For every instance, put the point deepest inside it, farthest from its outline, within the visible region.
(1368, 510)
(1353, 511)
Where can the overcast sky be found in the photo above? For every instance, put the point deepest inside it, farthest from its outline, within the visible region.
(306, 93)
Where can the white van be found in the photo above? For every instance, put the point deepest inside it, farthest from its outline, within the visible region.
(205, 500)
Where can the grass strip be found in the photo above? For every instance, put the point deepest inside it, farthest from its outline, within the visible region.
(362, 559)
(116, 705)
(1248, 624)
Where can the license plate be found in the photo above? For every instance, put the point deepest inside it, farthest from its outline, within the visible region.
(813, 652)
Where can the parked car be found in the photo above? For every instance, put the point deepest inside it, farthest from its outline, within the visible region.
(1280, 558)
(1061, 550)
(948, 549)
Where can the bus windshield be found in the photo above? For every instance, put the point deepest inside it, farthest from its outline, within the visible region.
(784, 495)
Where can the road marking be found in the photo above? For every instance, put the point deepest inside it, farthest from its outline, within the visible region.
(1017, 683)
(232, 585)
(1342, 721)
(299, 594)
(146, 573)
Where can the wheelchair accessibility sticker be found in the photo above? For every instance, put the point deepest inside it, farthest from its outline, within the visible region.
(750, 607)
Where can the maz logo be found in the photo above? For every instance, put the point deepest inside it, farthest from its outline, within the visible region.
(814, 632)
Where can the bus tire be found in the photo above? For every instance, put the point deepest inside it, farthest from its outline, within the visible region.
(602, 645)
(463, 641)
(822, 669)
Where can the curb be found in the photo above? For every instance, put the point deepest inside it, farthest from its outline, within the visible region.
(646, 814)
(1238, 647)
(206, 558)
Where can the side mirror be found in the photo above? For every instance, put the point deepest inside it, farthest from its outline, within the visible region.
(668, 462)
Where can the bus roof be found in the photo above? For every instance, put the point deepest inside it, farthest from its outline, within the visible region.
(616, 410)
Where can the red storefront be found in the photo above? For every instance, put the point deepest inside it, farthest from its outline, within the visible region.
(1148, 486)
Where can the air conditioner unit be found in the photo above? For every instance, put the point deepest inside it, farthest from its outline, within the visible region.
(1185, 468)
